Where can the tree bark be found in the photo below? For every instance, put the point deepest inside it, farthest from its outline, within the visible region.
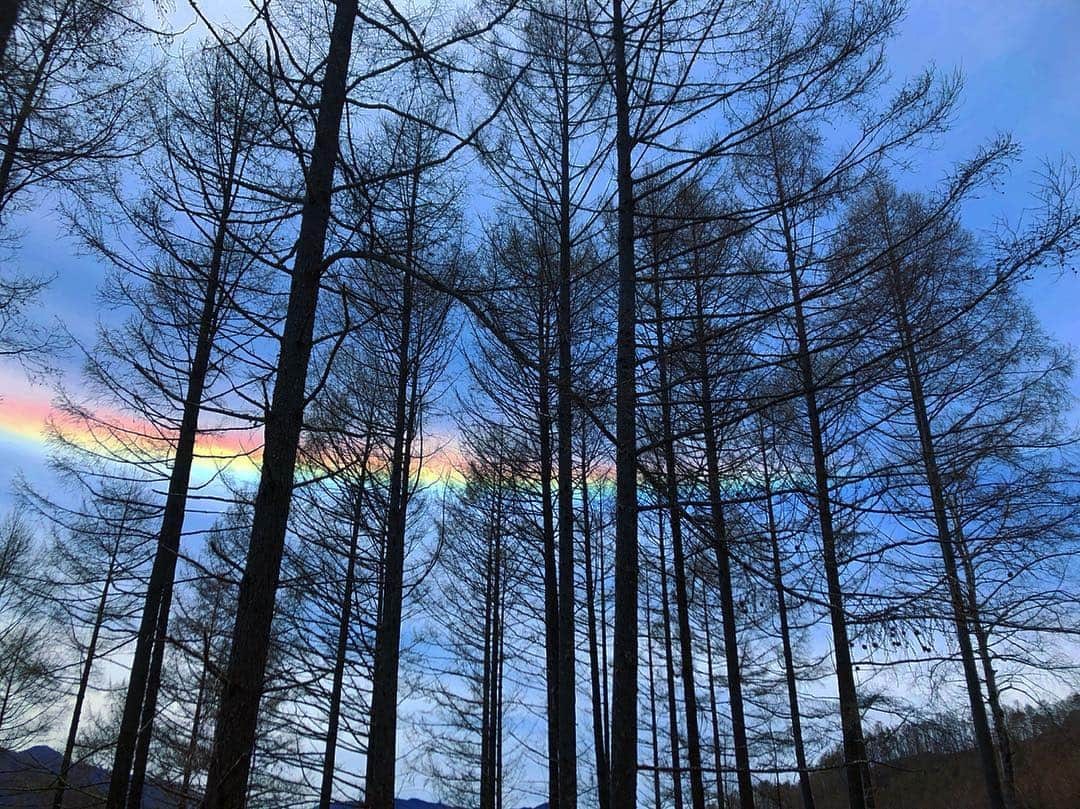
(234, 736)
(624, 674)
(87, 667)
(805, 787)
(856, 766)
(597, 674)
(723, 565)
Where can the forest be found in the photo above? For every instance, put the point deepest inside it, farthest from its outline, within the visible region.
(527, 403)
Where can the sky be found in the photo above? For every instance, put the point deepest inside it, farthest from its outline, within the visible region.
(1020, 68)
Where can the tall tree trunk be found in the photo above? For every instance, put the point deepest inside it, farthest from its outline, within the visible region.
(25, 110)
(605, 665)
(87, 667)
(984, 741)
(333, 719)
(718, 759)
(149, 709)
(550, 552)
(234, 735)
(487, 796)
(654, 724)
(196, 730)
(382, 736)
(564, 428)
(723, 564)
(494, 696)
(856, 766)
(140, 700)
(805, 787)
(624, 675)
(993, 693)
(682, 596)
(9, 15)
(603, 775)
(501, 667)
(669, 671)
(549, 548)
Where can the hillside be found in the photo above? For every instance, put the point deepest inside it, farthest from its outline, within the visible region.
(26, 780)
(1047, 768)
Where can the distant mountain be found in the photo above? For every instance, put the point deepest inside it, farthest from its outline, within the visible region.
(28, 778)
(410, 803)
(399, 803)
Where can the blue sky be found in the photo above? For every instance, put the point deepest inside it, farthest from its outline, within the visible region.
(1021, 68)
(1020, 65)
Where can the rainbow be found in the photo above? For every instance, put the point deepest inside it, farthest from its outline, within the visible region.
(31, 420)
(34, 422)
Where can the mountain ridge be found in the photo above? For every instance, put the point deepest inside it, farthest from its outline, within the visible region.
(27, 781)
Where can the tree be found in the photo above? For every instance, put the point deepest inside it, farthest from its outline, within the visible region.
(97, 557)
(936, 286)
(479, 578)
(416, 223)
(546, 154)
(192, 287)
(28, 675)
(66, 92)
(238, 712)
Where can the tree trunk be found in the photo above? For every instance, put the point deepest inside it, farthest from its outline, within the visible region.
(84, 676)
(551, 581)
(603, 775)
(196, 730)
(333, 719)
(140, 700)
(26, 108)
(993, 694)
(564, 428)
(654, 724)
(382, 735)
(682, 597)
(805, 787)
(984, 741)
(723, 565)
(492, 731)
(234, 735)
(718, 760)
(669, 671)
(9, 15)
(149, 708)
(487, 796)
(856, 766)
(624, 675)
